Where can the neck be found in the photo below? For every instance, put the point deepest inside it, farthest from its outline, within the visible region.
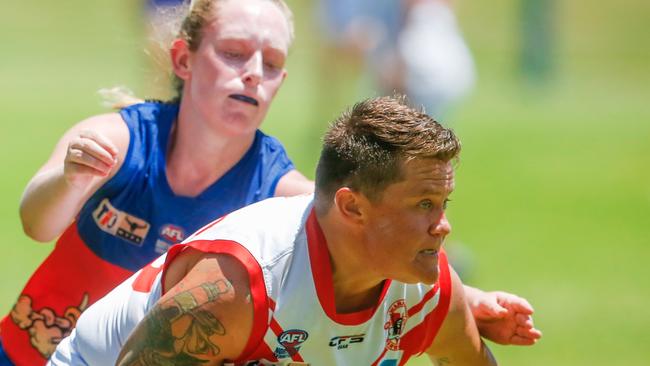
(197, 155)
(355, 287)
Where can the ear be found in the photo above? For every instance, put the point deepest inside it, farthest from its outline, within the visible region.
(349, 205)
(180, 55)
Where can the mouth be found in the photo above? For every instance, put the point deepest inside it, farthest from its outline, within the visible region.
(244, 99)
(429, 252)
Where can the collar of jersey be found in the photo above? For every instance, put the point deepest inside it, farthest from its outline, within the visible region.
(322, 274)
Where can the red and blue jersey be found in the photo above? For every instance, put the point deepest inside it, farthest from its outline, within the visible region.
(128, 222)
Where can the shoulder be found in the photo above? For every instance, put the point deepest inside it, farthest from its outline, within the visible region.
(109, 125)
(271, 150)
(269, 141)
(293, 183)
(205, 317)
(215, 290)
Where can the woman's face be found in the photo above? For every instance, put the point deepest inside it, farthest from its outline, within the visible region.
(239, 65)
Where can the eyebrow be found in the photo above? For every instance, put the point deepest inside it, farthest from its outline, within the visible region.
(244, 40)
(432, 191)
(428, 191)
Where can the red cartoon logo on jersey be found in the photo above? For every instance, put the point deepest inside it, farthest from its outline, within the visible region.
(397, 316)
(46, 328)
(120, 224)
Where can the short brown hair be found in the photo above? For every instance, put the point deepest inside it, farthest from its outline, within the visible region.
(365, 147)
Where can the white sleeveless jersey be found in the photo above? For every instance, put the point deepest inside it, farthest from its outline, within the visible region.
(295, 319)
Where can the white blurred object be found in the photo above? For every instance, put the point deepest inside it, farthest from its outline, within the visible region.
(439, 69)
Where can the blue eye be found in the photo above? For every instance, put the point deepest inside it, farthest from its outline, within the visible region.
(271, 66)
(425, 204)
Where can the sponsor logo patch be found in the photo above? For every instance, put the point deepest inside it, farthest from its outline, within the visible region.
(120, 224)
(172, 233)
(290, 342)
(397, 317)
(169, 235)
(344, 342)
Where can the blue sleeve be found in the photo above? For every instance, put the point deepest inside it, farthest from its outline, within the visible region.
(277, 165)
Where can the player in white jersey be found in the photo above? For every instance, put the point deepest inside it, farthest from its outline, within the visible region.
(356, 277)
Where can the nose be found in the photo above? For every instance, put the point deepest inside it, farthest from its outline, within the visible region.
(253, 69)
(441, 226)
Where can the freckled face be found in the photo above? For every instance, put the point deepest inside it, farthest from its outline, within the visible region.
(407, 226)
(239, 65)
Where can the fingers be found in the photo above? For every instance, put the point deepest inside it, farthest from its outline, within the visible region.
(484, 305)
(514, 302)
(90, 153)
(101, 140)
(492, 309)
(525, 326)
(524, 320)
(522, 341)
(527, 335)
(526, 329)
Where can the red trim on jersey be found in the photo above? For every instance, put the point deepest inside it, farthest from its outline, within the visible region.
(255, 279)
(438, 316)
(322, 271)
(263, 352)
(144, 281)
(418, 339)
(417, 307)
(275, 326)
(277, 330)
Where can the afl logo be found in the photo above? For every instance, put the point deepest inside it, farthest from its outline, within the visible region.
(397, 316)
(172, 233)
(290, 342)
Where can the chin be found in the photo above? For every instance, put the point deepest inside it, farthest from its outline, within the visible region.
(241, 125)
(429, 278)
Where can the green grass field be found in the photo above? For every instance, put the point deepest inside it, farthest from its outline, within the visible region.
(553, 187)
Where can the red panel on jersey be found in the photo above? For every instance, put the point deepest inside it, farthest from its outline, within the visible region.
(54, 297)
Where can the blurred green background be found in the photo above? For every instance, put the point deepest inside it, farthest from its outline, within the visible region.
(553, 187)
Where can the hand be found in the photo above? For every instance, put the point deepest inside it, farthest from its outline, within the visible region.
(504, 318)
(88, 155)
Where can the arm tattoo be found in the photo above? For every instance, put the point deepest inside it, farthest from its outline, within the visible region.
(179, 331)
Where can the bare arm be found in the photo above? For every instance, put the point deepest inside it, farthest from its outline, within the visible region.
(204, 319)
(458, 341)
(85, 157)
(292, 184)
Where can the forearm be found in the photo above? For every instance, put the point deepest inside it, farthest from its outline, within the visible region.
(49, 204)
(485, 358)
(471, 293)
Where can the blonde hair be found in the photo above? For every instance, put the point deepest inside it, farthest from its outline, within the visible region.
(183, 21)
